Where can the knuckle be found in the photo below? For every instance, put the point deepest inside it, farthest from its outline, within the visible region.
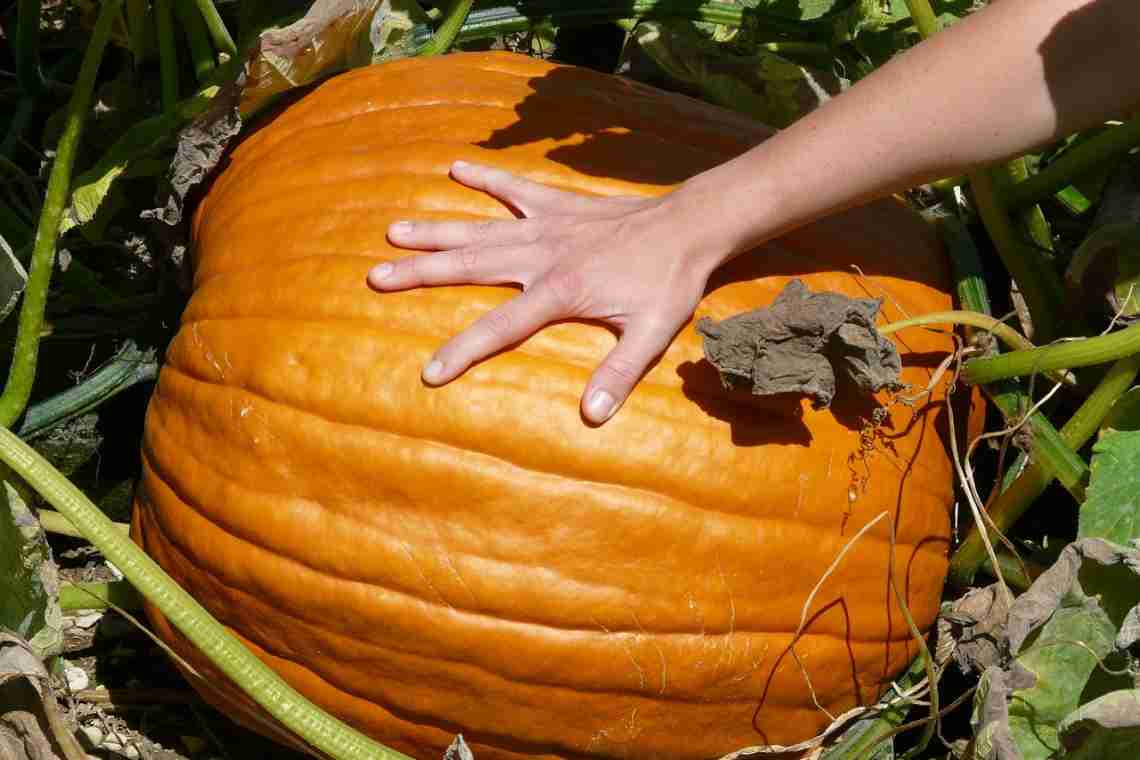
(482, 230)
(622, 368)
(468, 259)
(499, 324)
(566, 289)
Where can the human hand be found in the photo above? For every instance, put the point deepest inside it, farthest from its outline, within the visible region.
(623, 261)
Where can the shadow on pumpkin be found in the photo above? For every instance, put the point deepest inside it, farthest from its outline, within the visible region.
(605, 133)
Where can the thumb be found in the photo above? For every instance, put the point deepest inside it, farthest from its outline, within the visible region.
(621, 370)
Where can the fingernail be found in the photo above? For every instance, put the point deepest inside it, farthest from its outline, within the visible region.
(459, 165)
(380, 271)
(433, 372)
(600, 406)
(400, 228)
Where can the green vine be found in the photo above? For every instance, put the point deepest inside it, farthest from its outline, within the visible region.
(448, 30)
(18, 389)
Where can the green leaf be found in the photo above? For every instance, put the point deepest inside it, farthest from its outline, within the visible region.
(1107, 728)
(1125, 412)
(799, 10)
(1106, 266)
(1061, 658)
(142, 139)
(1112, 510)
(29, 606)
(766, 85)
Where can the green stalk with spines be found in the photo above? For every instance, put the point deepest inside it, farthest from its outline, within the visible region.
(22, 372)
(219, 34)
(167, 54)
(1013, 502)
(1094, 153)
(99, 596)
(448, 29)
(197, 38)
(1038, 283)
(1082, 352)
(322, 731)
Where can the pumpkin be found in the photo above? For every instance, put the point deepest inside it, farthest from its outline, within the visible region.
(474, 558)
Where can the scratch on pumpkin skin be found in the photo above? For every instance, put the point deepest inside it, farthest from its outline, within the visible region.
(443, 600)
(660, 653)
(628, 650)
(207, 354)
(462, 582)
(726, 645)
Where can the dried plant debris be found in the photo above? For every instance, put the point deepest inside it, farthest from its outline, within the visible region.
(31, 724)
(458, 750)
(806, 343)
(977, 623)
(1067, 681)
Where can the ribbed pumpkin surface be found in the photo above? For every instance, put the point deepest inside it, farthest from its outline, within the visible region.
(474, 558)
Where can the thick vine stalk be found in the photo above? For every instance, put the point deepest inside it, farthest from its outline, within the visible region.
(167, 54)
(23, 370)
(222, 648)
(448, 30)
(1083, 352)
(27, 47)
(1012, 503)
(217, 28)
(201, 49)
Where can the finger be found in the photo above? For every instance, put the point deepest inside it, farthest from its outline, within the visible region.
(441, 236)
(531, 198)
(622, 368)
(511, 323)
(477, 266)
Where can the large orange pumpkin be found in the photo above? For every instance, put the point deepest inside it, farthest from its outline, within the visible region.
(474, 558)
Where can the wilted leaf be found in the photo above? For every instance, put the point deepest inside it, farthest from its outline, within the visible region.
(31, 726)
(977, 622)
(1106, 266)
(392, 28)
(333, 36)
(804, 343)
(28, 582)
(1112, 510)
(458, 750)
(766, 86)
(13, 278)
(1059, 631)
(1107, 728)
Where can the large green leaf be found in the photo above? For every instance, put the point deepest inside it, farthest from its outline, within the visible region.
(1063, 656)
(1107, 728)
(1112, 510)
(28, 581)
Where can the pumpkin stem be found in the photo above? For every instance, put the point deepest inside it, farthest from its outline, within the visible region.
(22, 373)
(212, 639)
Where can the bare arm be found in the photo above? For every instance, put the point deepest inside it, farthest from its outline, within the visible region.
(1008, 78)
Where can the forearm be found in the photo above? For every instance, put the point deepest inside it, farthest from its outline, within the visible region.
(1015, 75)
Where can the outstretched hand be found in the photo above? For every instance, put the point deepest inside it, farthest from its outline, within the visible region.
(623, 261)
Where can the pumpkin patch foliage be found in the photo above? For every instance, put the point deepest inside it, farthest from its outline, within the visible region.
(853, 511)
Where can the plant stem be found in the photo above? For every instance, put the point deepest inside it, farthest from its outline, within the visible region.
(1082, 352)
(99, 596)
(130, 367)
(136, 29)
(448, 30)
(201, 50)
(223, 42)
(167, 54)
(27, 48)
(23, 370)
(923, 16)
(222, 648)
(21, 120)
(54, 522)
(1039, 284)
(1012, 503)
(1074, 163)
